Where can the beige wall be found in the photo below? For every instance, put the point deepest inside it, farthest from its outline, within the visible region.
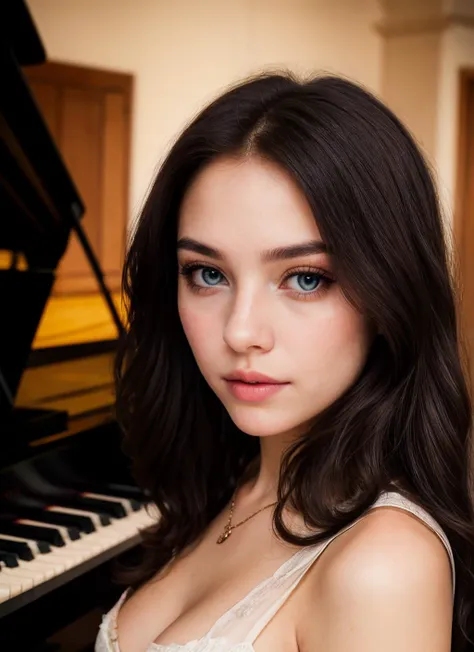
(183, 52)
(425, 45)
(410, 81)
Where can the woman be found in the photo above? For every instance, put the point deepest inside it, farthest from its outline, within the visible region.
(291, 384)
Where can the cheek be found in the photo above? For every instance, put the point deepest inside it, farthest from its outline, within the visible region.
(333, 349)
(198, 326)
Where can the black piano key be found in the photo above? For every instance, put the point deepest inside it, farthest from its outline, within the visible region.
(9, 559)
(73, 532)
(134, 494)
(35, 509)
(106, 491)
(104, 519)
(21, 549)
(114, 509)
(37, 484)
(49, 534)
(81, 523)
(126, 491)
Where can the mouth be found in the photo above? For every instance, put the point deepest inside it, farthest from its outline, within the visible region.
(253, 391)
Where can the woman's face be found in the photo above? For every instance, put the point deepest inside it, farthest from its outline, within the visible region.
(277, 316)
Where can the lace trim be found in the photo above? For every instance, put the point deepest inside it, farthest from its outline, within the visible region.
(299, 561)
(248, 603)
(297, 565)
(395, 499)
(242, 608)
(204, 644)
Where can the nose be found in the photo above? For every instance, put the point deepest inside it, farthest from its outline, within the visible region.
(249, 324)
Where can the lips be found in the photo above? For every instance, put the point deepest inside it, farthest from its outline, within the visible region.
(253, 392)
(253, 377)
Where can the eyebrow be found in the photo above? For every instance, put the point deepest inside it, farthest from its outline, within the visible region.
(270, 255)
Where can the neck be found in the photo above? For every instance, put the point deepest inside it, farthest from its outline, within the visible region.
(262, 485)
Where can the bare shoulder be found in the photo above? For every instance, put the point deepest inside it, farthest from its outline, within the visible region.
(385, 584)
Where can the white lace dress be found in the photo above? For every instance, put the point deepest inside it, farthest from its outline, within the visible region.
(237, 629)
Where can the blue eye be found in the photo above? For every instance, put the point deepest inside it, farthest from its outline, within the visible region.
(305, 280)
(211, 274)
(313, 283)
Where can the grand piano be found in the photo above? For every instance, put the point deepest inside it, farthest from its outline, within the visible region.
(69, 508)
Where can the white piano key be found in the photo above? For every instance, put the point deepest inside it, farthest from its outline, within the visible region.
(4, 593)
(46, 570)
(17, 586)
(135, 522)
(58, 565)
(92, 547)
(23, 574)
(67, 555)
(110, 538)
(123, 529)
(142, 519)
(62, 558)
(73, 550)
(53, 566)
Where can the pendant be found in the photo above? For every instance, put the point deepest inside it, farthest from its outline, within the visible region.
(225, 536)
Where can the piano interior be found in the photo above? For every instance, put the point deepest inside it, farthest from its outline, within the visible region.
(69, 508)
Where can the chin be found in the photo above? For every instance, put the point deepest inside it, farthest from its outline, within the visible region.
(260, 423)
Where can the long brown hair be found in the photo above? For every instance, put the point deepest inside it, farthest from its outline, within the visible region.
(408, 415)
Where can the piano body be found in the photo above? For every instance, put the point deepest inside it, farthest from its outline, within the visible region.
(69, 507)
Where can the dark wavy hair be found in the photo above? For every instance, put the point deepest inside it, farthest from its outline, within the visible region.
(407, 417)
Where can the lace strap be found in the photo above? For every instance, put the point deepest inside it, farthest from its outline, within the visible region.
(275, 605)
(109, 626)
(394, 499)
(386, 499)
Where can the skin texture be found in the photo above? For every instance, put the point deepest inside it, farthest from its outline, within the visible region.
(246, 316)
(384, 584)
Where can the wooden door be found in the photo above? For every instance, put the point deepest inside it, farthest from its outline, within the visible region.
(464, 215)
(88, 114)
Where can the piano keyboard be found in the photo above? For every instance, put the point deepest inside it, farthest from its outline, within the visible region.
(28, 563)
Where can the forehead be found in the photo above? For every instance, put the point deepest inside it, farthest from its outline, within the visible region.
(244, 201)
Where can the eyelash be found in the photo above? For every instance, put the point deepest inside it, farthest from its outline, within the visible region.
(326, 281)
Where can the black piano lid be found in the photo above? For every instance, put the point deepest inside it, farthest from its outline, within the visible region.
(33, 174)
(39, 202)
(39, 205)
(19, 31)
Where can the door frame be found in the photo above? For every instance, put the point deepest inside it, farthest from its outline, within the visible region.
(464, 207)
(74, 75)
(465, 138)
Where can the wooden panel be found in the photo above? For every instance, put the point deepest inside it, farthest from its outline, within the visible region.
(88, 113)
(464, 216)
(114, 188)
(46, 95)
(81, 145)
(63, 74)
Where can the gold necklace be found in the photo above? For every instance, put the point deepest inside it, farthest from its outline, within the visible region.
(229, 527)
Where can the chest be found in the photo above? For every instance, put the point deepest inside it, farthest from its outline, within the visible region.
(186, 601)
